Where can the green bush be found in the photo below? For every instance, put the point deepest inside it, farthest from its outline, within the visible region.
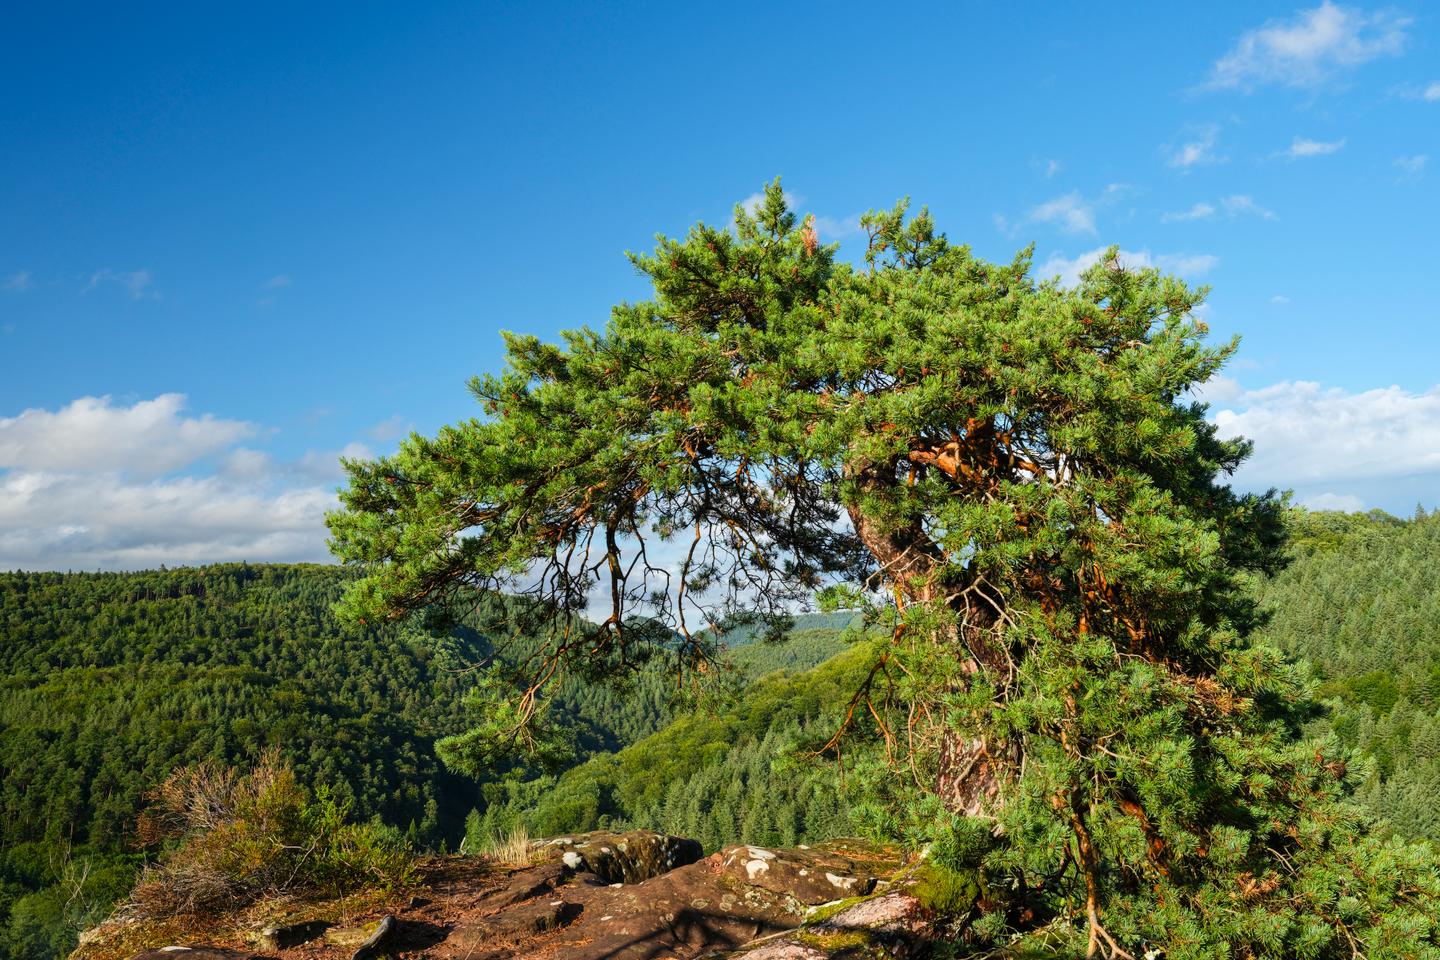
(235, 837)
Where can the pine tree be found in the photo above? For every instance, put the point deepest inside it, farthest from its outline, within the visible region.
(1009, 474)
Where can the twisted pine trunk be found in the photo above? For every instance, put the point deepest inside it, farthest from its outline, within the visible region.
(968, 774)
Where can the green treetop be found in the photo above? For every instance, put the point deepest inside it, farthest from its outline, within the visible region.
(1011, 473)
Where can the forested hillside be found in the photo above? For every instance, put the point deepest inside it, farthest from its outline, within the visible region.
(1360, 603)
(736, 776)
(113, 680)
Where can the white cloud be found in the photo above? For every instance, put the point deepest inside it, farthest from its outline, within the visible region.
(323, 466)
(19, 282)
(94, 485)
(1197, 151)
(1279, 298)
(1346, 502)
(1305, 433)
(1187, 264)
(137, 284)
(150, 437)
(1412, 166)
(1311, 49)
(1234, 206)
(1430, 93)
(1069, 270)
(1052, 167)
(87, 521)
(1300, 147)
(1201, 211)
(1072, 213)
(1239, 204)
(830, 229)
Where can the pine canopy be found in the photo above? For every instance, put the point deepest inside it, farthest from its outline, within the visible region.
(1010, 474)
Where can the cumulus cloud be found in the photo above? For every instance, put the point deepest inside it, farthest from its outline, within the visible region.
(1308, 434)
(1069, 269)
(1197, 150)
(1071, 213)
(1301, 147)
(1346, 502)
(1311, 49)
(149, 437)
(1431, 93)
(89, 521)
(100, 485)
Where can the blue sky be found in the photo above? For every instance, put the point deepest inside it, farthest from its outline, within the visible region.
(234, 243)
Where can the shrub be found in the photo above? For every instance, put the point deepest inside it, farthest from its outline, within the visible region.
(233, 837)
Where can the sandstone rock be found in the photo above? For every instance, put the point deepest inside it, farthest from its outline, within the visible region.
(891, 925)
(516, 923)
(623, 901)
(620, 857)
(527, 884)
(785, 950)
(281, 936)
(197, 952)
(812, 875)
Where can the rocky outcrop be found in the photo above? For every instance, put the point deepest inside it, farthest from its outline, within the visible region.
(631, 896)
(893, 925)
(631, 857)
(809, 875)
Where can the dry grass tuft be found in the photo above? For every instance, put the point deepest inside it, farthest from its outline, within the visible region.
(513, 849)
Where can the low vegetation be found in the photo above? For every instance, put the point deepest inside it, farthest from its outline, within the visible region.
(232, 837)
